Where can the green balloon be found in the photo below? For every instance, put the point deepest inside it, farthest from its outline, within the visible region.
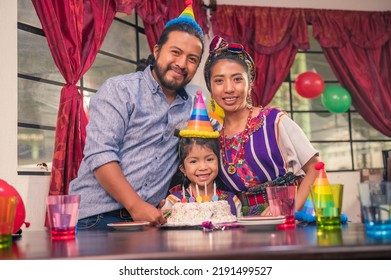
(336, 99)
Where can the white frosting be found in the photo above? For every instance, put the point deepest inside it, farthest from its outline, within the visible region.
(194, 213)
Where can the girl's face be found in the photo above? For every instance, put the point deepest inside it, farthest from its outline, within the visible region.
(200, 166)
(229, 85)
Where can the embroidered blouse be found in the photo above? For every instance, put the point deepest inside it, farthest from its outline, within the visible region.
(276, 145)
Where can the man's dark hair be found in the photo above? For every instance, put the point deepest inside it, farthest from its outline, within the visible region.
(176, 27)
(144, 62)
(183, 27)
(180, 27)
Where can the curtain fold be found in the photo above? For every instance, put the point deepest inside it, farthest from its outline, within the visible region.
(125, 6)
(155, 14)
(357, 46)
(75, 31)
(271, 35)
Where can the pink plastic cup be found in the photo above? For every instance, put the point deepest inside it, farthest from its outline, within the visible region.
(62, 213)
(282, 202)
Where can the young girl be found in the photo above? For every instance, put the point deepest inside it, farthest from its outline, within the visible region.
(199, 164)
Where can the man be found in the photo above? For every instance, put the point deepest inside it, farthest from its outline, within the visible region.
(131, 151)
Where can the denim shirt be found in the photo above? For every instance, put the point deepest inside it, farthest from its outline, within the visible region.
(131, 122)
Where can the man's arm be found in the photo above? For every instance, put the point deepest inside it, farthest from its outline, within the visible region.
(111, 177)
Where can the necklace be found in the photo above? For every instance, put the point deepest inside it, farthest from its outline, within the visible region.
(240, 152)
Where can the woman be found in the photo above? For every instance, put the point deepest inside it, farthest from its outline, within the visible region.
(258, 146)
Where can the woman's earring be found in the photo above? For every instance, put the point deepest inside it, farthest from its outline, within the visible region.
(213, 105)
(249, 101)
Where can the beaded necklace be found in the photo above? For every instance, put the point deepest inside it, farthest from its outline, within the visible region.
(240, 152)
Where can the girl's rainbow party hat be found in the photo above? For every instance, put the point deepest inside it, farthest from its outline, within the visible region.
(199, 124)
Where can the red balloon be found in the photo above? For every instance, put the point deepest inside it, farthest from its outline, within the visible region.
(309, 85)
(6, 190)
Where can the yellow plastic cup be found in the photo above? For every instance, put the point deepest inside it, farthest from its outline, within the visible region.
(327, 201)
(7, 219)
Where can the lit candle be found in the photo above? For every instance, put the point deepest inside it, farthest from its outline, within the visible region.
(184, 199)
(206, 197)
(191, 198)
(199, 198)
(214, 197)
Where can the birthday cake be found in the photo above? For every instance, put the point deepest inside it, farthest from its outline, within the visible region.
(194, 213)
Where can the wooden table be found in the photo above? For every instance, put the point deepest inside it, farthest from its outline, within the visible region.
(303, 242)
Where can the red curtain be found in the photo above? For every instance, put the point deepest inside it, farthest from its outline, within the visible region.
(357, 46)
(271, 35)
(155, 14)
(75, 31)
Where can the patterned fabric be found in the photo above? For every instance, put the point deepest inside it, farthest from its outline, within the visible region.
(220, 47)
(276, 145)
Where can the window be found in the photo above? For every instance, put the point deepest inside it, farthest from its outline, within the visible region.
(345, 141)
(40, 82)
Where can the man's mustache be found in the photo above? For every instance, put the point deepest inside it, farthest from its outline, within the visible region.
(177, 69)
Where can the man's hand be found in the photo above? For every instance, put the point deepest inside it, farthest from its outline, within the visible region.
(143, 211)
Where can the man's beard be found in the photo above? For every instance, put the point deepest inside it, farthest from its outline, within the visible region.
(161, 72)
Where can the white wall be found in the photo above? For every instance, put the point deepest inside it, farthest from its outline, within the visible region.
(34, 189)
(351, 204)
(8, 90)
